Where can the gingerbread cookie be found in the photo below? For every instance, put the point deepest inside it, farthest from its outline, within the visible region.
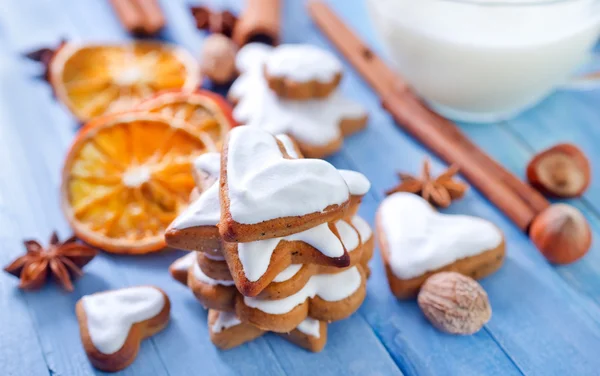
(265, 195)
(212, 293)
(318, 125)
(358, 185)
(228, 331)
(196, 227)
(113, 323)
(302, 71)
(416, 242)
(325, 297)
(179, 268)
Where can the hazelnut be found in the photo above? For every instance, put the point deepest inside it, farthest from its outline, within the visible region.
(561, 171)
(454, 303)
(218, 58)
(561, 233)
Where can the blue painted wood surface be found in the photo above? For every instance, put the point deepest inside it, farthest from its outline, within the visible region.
(546, 319)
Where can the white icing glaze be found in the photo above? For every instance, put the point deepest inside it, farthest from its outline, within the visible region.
(288, 273)
(224, 321)
(348, 235)
(329, 287)
(208, 163)
(358, 184)
(302, 63)
(288, 145)
(214, 257)
(420, 239)
(111, 314)
(256, 256)
(262, 185)
(185, 262)
(310, 327)
(205, 211)
(313, 122)
(363, 228)
(251, 56)
(200, 276)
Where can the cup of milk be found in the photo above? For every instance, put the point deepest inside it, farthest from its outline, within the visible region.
(486, 60)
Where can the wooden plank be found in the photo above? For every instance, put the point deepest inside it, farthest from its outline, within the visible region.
(382, 149)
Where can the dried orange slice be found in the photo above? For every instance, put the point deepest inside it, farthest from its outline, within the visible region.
(94, 80)
(203, 111)
(126, 177)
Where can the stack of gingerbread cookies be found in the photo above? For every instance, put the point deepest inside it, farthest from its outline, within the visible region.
(278, 245)
(294, 89)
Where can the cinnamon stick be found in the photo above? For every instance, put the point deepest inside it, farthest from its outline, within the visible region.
(129, 15)
(520, 202)
(139, 16)
(152, 15)
(259, 22)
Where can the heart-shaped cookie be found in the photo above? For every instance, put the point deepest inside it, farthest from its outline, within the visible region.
(113, 323)
(417, 241)
(264, 195)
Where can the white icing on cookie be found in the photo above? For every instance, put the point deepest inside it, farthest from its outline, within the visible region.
(200, 276)
(302, 63)
(252, 56)
(288, 273)
(313, 122)
(262, 185)
(363, 228)
(208, 163)
(111, 314)
(205, 211)
(348, 235)
(185, 262)
(329, 287)
(256, 256)
(420, 239)
(224, 321)
(358, 184)
(214, 257)
(288, 145)
(310, 327)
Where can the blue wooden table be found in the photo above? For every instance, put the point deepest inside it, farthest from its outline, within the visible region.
(546, 319)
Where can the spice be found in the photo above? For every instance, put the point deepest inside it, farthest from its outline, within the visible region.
(139, 16)
(560, 171)
(217, 59)
(215, 22)
(440, 191)
(454, 303)
(63, 260)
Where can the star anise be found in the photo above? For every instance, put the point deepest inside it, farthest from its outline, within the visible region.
(215, 22)
(44, 56)
(440, 191)
(63, 260)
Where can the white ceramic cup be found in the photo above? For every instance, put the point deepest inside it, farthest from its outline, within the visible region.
(486, 60)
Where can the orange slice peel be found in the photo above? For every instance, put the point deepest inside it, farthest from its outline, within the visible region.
(126, 177)
(94, 79)
(203, 111)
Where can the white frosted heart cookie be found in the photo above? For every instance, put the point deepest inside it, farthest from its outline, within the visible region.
(417, 241)
(265, 195)
(113, 323)
(302, 71)
(318, 125)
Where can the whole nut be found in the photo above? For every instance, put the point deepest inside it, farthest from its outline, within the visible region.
(454, 303)
(561, 233)
(561, 171)
(218, 58)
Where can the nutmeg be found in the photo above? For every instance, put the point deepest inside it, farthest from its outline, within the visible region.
(218, 58)
(454, 303)
(561, 233)
(561, 171)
